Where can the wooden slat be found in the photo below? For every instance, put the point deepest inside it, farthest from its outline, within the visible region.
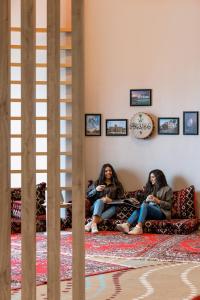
(67, 170)
(66, 188)
(39, 29)
(42, 47)
(66, 100)
(67, 153)
(4, 150)
(28, 150)
(67, 118)
(53, 129)
(43, 82)
(64, 135)
(42, 65)
(78, 178)
(43, 100)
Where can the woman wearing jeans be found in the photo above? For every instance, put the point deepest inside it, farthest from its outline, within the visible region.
(103, 191)
(157, 206)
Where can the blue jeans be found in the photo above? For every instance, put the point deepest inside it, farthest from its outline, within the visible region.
(146, 212)
(98, 209)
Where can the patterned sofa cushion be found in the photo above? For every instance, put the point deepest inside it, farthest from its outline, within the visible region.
(183, 204)
(16, 200)
(40, 224)
(124, 211)
(175, 226)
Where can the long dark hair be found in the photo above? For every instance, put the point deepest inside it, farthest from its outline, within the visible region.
(101, 179)
(160, 182)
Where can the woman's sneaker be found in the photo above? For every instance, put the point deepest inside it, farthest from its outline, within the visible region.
(88, 227)
(136, 230)
(123, 227)
(94, 228)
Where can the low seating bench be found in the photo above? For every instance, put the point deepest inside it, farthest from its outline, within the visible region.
(183, 221)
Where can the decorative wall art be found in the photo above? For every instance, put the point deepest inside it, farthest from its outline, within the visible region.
(190, 122)
(116, 127)
(92, 124)
(168, 126)
(140, 97)
(141, 125)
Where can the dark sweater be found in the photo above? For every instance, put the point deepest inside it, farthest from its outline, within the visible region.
(112, 191)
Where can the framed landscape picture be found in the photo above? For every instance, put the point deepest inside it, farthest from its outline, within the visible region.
(140, 97)
(168, 125)
(191, 122)
(116, 127)
(93, 124)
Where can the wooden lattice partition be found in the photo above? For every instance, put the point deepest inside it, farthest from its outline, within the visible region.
(4, 150)
(28, 137)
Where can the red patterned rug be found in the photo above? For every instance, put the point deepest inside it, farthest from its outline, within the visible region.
(107, 244)
(146, 246)
(91, 267)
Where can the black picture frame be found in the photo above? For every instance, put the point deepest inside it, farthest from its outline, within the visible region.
(140, 97)
(190, 122)
(116, 127)
(168, 126)
(92, 124)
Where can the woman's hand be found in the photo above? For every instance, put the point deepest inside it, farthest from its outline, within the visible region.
(153, 199)
(100, 187)
(106, 199)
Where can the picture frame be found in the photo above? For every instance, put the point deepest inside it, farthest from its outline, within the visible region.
(92, 124)
(168, 126)
(190, 122)
(116, 127)
(140, 97)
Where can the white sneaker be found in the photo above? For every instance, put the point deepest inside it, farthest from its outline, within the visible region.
(94, 228)
(136, 230)
(88, 227)
(124, 227)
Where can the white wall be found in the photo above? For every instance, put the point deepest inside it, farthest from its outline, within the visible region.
(143, 44)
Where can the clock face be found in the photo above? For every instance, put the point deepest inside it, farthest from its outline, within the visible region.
(141, 125)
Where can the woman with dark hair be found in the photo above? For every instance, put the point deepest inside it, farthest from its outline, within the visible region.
(157, 206)
(106, 188)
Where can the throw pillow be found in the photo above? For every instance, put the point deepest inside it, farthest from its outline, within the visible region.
(183, 203)
(40, 197)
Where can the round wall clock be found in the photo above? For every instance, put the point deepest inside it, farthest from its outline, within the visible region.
(141, 125)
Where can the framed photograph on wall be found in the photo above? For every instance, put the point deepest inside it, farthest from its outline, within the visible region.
(140, 97)
(93, 124)
(168, 125)
(116, 127)
(191, 122)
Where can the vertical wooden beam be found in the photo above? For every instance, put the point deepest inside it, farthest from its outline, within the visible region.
(28, 149)
(53, 175)
(78, 190)
(4, 150)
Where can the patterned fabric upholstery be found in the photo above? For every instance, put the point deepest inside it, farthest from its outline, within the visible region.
(16, 200)
(66, 222)
(40, 224)
(16, 208)
(183, 215)
(124, 211)
(183, 204)
(173, 226)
